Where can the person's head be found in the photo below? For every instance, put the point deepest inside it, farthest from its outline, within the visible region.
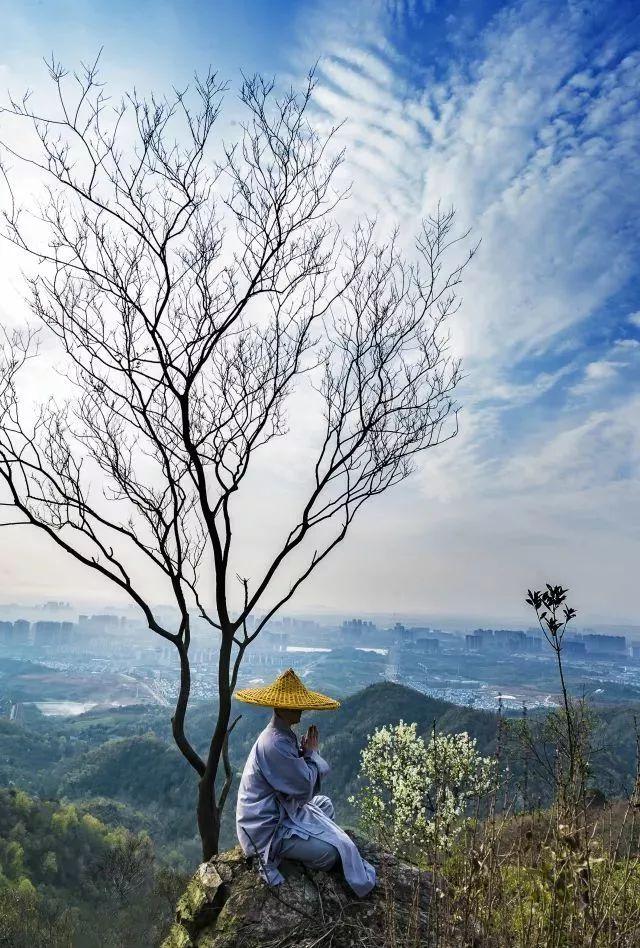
(289, 715)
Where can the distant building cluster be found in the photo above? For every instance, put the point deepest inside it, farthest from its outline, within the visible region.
(445, 664)
(502, 640)
(14, 633)
(576, 645)
(87, 634)
(356, 629)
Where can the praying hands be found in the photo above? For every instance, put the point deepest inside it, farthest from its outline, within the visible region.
(310, 740)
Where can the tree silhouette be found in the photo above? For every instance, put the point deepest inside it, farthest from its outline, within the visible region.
(189, 292)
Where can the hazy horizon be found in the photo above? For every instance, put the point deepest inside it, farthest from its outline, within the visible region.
(326, 616)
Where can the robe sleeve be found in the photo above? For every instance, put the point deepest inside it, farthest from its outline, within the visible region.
(290, 774)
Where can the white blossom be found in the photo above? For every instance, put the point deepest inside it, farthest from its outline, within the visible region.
(415, 795)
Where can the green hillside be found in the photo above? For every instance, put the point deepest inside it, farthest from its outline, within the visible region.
(67, 878)
(122, 766)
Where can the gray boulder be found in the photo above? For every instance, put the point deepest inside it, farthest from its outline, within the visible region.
(227, 905)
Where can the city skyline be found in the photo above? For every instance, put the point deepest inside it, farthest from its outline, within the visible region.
(77, 610)
(53, 666)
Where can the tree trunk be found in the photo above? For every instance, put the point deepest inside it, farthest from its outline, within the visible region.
(208, 818)
(209, 812)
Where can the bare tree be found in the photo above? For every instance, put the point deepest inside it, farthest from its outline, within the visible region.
(189, 292)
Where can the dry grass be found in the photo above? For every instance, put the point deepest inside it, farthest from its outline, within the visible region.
(525, 876)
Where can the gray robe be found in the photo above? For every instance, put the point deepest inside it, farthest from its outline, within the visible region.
(274, 803)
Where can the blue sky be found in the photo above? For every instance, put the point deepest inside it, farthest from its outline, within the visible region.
(525, 116)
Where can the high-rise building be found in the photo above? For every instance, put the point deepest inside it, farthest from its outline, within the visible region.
(46, 632)
(354, 629)
(605, 645)
(22, 633)
(275, 640)
(573, 647)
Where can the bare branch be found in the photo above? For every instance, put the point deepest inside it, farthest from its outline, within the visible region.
(191, 291)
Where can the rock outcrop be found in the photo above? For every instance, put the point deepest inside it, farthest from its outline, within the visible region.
(227, 905)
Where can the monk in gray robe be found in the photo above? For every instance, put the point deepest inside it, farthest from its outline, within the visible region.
(280, 813)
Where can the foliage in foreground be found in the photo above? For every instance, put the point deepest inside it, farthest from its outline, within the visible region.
(67, 880)
(414, 795)
(504, 871)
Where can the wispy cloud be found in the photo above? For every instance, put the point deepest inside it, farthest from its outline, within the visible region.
(531, 131)
(527, 120)
(596, 375)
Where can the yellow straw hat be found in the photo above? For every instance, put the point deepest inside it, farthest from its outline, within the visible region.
(287, 691)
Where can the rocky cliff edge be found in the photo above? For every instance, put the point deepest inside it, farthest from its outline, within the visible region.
(227, 905)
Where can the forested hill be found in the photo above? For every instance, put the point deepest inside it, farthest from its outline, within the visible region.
(67, 878)
(121, 765)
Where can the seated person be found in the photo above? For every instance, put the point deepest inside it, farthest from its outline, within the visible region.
(280, 813)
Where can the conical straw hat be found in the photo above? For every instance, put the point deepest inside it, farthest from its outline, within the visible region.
(287, 691)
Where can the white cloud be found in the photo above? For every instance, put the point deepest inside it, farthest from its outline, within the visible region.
(516, 393)
(537, 152)
(542, 191)
(596, 374)
(588, 454)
